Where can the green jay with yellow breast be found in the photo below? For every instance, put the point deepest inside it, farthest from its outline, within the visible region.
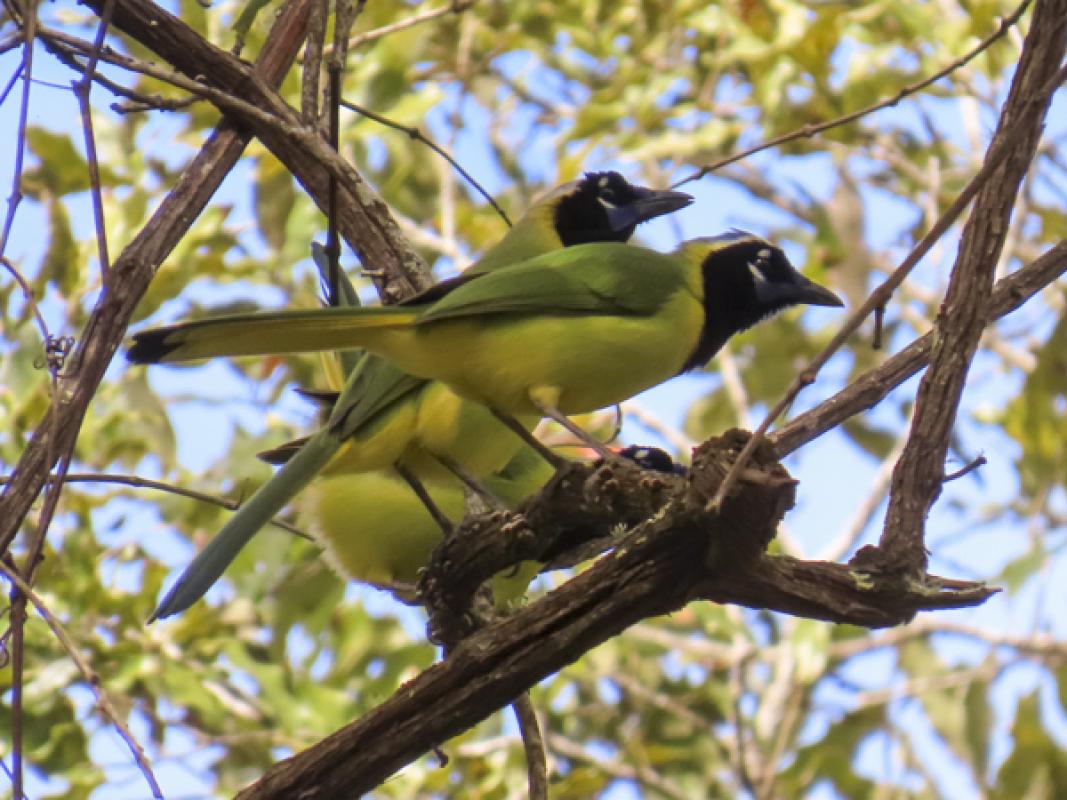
(566, 332)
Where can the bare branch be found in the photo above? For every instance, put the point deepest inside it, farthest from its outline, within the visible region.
(363, 219)
(454, 7)
(137, 482)
(966, 469)
(680, 554)
(29, 34)
(810, 130)
(919, 474)
(82, 88)
(419, 136)
(533, 744)
(18, 602)
(872, 386)
(309, 84)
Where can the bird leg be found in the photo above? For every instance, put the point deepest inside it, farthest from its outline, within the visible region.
(491, 500)
(420, 491)
(582, 435)
(555, 461)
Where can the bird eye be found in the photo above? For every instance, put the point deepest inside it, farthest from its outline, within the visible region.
(764, 254)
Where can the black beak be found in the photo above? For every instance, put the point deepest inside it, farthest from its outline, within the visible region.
(812, 294)
(649, 204)
(798, 290)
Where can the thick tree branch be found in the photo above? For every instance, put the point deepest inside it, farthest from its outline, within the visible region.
(919, 473)
(679, 555)
(128, 279)
(363, 219)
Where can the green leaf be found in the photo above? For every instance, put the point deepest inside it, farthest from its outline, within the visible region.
(1037, 765)
(61, 169)
(1017, 572)
(61, 258)
(274, 200)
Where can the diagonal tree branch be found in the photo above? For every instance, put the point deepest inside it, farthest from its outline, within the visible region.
(919, 473)
(363, 219)
(127, 281)
(676, 556)
(871, 387)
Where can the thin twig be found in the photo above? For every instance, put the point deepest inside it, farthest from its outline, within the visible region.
(455, 7)
(786, 731)
(29, 35)
(737, 718)
(11, 778)
(810, 130)
(674, 437)
(344, 17)
(734, 384)
(14, 79)
(418, 135)
(533, 744)
(222, 100)
(984, 672)
(641, 774)
(31, 300)
(91, 678)
(82, 88)
(981, 461)
(10, 42)
(964, 312)
(138, 482)
(274, 121)
(878, 297)
(18, 600)
(675, 707)
(872, 386)
(18, 679)
(1037, 645)
(138, 101)
(345, 14)
(333, 240)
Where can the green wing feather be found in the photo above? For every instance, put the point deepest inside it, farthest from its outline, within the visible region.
(260, 508)
(380, 384)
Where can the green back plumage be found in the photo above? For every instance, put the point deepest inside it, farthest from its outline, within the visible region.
(587, 279)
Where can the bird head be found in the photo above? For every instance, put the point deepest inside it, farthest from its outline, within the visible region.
(605, 207)
(746, 279)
